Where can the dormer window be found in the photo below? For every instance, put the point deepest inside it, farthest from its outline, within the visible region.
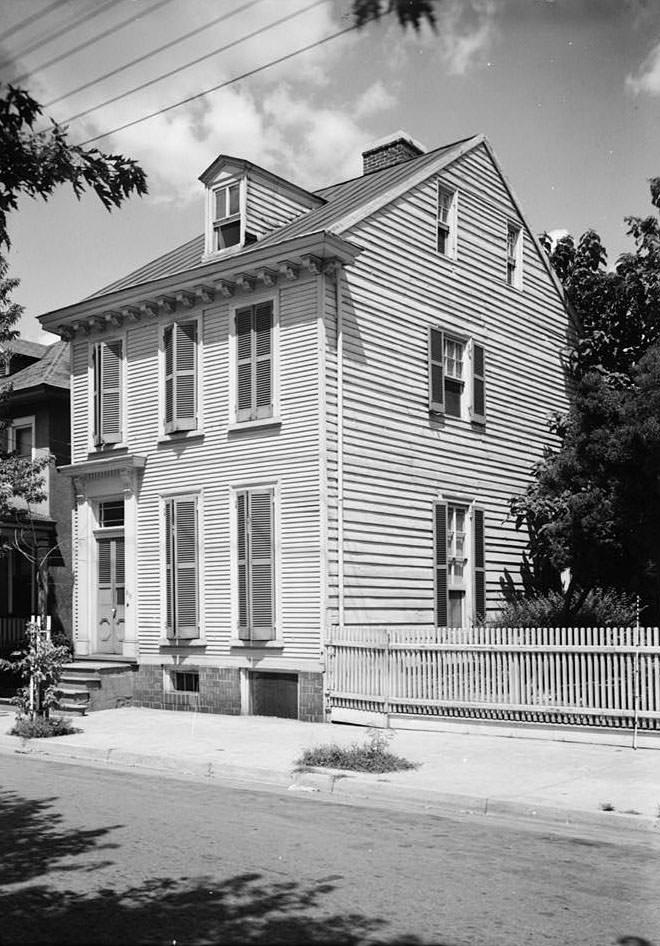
(227, 216)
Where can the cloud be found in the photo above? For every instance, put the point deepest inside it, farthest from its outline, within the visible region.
(373, 100)
(466, 29)
(647, 78)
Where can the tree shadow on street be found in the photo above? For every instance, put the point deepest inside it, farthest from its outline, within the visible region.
(33, 840)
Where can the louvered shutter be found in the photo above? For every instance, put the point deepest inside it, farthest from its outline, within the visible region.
(107, 392)
(255, 565)
(263, 323)
(262, 565)
(479, 566)
(436, 371)
(181, 568)
(169, 570)
(254, 362)
(180, 344)
(441, 564)
(242, 566)
(478, 384)
(244, 364)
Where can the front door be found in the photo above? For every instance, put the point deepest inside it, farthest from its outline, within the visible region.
(110, 601)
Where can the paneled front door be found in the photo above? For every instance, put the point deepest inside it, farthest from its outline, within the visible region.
(110, 600)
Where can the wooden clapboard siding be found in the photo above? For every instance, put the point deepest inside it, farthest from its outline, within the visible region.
(398, 458)
(269, 207)
(79, 400)
(211, 465)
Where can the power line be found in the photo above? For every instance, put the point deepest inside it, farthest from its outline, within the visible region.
(221, 85)
(89, 42)
(65, 29)
(159, 49)
(32, 18)
(193, 62)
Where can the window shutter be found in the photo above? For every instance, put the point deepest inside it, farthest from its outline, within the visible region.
(263, 323)
(242, 545)
(262, 565)
(107, 392)
(169, 572)
(441, 564)
(436, 371)
(180, 345)
(478, 384)
(181, 567)
(479, 566)
(244, 364)
(254, 362)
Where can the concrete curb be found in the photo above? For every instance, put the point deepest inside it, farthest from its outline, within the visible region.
(346, 787)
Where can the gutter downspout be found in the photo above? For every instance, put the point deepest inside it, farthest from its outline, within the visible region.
(340, 451)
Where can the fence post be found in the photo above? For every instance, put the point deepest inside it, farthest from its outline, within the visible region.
(636, 677)
(387, 678)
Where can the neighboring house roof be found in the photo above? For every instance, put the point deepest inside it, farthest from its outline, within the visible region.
(52, 369)
(342, 202)
(21, 346)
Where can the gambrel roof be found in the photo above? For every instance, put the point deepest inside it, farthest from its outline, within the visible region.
(342, 204)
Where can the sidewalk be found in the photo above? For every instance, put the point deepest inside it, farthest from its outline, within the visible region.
(469, 771)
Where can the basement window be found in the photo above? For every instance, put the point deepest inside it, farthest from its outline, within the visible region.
(185, 681)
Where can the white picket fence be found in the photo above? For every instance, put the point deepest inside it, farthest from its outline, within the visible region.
(579, 676)
(12, 632)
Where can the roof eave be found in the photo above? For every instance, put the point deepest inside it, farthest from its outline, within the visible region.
(323, 244)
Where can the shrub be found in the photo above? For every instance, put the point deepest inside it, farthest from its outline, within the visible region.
(601, 608)
(40, 664)
(41, 727)
(373, 756)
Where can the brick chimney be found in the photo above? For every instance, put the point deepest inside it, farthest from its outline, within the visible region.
(394, 149)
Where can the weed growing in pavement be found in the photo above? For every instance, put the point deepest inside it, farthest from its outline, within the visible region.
(42, 728)
(372, 756)
(607, 806)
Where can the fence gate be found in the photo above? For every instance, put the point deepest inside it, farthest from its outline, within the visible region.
(577, 676)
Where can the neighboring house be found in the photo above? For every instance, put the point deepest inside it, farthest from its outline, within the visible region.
(313, 415)
(37, 408)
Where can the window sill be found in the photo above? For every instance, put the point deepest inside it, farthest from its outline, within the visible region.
(240, 644)
(176, 436)
(179, 644)
(112, 450)
(254, 424)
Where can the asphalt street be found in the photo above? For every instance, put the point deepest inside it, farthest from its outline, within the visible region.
(90, 856)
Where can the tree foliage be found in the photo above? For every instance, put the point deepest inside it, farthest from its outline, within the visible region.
(408, 12)
(593, 503)
(35, 163)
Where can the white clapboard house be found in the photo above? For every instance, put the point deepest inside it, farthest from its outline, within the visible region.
(312, 416)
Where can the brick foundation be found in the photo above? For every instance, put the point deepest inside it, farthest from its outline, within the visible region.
(219, 692)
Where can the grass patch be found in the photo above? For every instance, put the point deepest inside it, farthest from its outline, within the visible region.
(372, 756)
(607, 806)
(41, 728)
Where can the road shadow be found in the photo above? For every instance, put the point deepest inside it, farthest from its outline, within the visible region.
(33, 840)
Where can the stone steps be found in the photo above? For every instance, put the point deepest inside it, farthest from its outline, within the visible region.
(89, 684)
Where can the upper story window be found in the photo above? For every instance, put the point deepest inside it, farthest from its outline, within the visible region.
(446, 221)
(107, 372)
(457, 378)
(180, 344)
(226, 216)
(514, 257)
(21, 437)
(255, 351)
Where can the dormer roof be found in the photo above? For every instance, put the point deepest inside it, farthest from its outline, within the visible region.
(240, 166)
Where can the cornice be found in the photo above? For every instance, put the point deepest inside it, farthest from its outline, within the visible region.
(241, 274)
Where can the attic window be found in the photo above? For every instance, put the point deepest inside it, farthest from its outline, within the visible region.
(226, 216)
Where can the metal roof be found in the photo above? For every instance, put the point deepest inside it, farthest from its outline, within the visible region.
(52, 369)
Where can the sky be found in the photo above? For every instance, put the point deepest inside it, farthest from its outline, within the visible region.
(567, 91)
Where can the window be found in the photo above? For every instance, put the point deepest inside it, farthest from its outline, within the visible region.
(514, 255)
(181, 568)
(111, 514)
(226, 216)
(446, 222)
(21, 437)
(180, 357)
(107, 369)
(460, 586)
(254, 362)
(185, 681)
(255, 564)
(456, 373)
